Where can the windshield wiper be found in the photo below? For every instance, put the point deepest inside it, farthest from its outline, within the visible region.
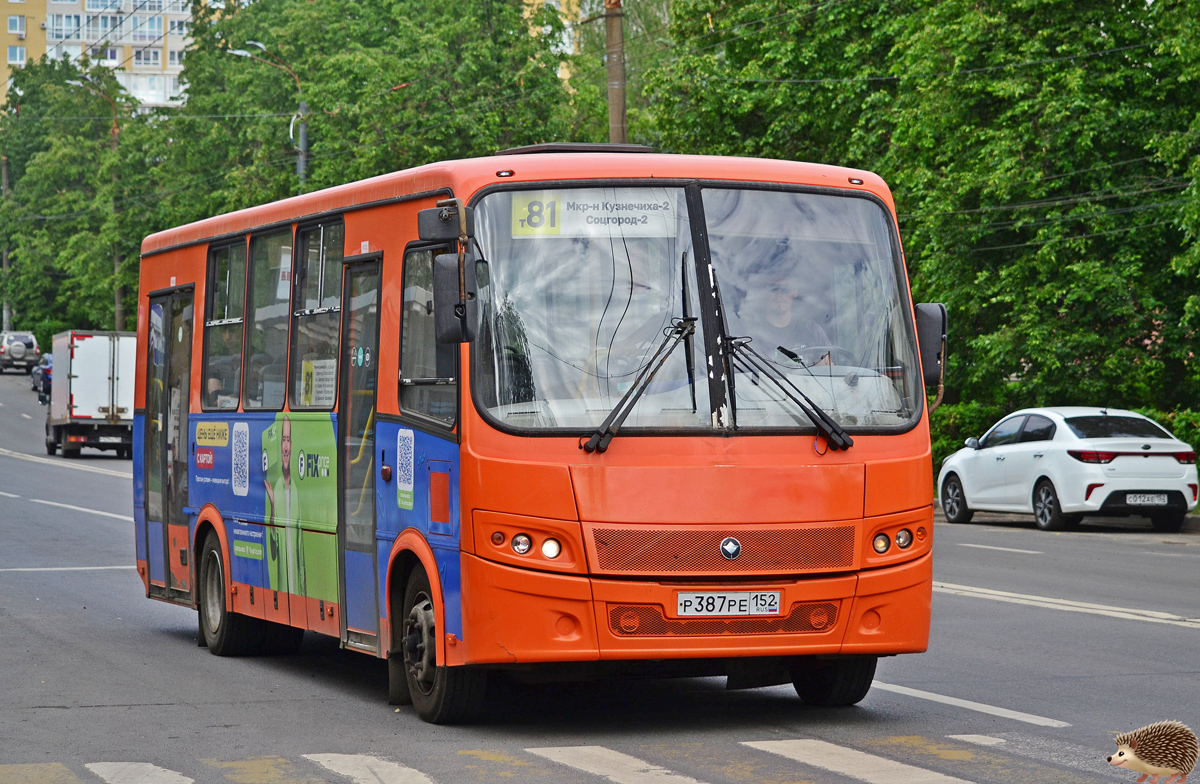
(680, 329)
(750, 360)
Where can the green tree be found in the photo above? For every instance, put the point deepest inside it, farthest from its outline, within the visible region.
(1024, 143)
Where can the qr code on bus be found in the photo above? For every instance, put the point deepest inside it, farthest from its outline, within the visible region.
(241, 458)
(405, 447)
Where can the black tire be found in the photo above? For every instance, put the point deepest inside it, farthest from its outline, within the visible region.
(1168, 523)
(440, 695)
(225, 633)
(833, 682)
(51, 447)
(954, 501)
(1046, 509)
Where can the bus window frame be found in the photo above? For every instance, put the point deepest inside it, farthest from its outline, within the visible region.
(416, 419)
(251, 236)
(898, 261)
(209, 288)
(295, 312)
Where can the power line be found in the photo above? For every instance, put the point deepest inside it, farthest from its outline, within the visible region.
(1076, 237)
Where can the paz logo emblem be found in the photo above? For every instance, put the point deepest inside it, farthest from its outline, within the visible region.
(731, 548)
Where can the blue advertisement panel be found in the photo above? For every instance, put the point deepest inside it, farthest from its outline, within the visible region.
(408, 502)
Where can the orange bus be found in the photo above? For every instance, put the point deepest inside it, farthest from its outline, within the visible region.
(564, 412)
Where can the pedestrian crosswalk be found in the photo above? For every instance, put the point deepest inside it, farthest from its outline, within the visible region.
(954, 759)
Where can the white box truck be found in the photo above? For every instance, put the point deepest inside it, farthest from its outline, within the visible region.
(91, 399)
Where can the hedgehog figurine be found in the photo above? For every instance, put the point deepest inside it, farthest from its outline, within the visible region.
(1167, 748)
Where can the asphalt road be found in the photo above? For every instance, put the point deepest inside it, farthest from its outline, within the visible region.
(1043, 646)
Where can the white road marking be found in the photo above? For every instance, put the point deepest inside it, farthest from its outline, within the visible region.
(65, 464)
(1056, 751)
(363, 769)
(136, 773)
(9, 495)
(1028, 718)
(979, 740)
(65, 568)
(1150, 616)
(613, 765)
(126, 518)
(1005, 549)
(1171, 555)
(852, 763)
(27, 416)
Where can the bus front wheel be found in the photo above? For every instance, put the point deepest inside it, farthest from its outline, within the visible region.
(833, 682)
(440, 694)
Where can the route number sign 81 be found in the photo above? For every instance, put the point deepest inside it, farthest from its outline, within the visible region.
(536, 214)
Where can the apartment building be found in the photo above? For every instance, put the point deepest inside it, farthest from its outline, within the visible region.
(143, 40)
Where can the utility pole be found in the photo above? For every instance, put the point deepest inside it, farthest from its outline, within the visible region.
(615, 57)
(4, 252)
(118, 292)
(302, 142)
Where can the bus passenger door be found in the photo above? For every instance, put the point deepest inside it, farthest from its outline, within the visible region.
(167, 454)
(356, 455)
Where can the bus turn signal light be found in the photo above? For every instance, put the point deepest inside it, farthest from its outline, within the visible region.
(497, 538)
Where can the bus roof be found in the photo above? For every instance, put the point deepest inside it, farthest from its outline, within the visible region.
(465, 177)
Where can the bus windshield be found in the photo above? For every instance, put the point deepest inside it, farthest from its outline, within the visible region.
(579, 286)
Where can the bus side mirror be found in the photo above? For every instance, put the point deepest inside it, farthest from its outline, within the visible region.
(931, 339)
(455, 318)
(442, 223)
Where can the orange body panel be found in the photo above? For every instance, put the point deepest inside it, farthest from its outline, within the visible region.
(891, 610)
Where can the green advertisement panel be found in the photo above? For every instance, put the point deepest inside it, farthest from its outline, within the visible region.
(299, 460)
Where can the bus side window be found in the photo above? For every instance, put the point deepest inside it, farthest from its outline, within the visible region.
(316, 311)
(270, 296)
(428, 369)
(225, 295)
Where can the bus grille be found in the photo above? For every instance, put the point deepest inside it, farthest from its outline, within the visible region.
(680, 550)
(641, 620)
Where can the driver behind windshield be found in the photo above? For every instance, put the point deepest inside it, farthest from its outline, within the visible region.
(781, 305)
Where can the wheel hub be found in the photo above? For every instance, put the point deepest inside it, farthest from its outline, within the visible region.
(420, 652)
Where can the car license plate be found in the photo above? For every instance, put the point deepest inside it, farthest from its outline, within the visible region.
(728, 603)
(110, 439)
(1146, 499)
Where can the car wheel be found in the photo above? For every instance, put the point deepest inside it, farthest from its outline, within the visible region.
(954, 501)
(1046, 510)
(833, 682)
(440, 695)
(1168, 523)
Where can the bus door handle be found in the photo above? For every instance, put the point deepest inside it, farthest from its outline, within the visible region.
(385, 470)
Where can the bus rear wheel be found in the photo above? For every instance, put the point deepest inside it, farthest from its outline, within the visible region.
(225, 633)
(440, 694)
(833, 682)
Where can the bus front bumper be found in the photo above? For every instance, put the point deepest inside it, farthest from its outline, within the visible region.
(517, 616)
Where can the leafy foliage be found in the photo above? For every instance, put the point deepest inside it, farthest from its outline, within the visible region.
(1043, 153)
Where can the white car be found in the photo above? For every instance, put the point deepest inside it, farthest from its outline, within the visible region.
(1064, 463)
